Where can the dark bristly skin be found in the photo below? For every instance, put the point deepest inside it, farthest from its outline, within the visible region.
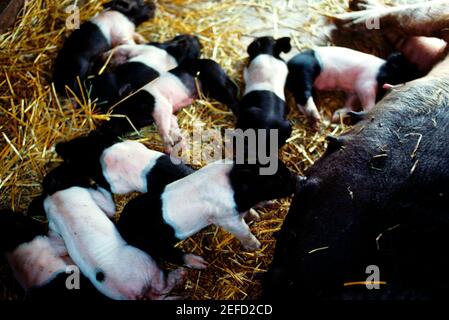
(85, 45)
(378, 196)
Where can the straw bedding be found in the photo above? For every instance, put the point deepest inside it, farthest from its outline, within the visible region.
(33, 118)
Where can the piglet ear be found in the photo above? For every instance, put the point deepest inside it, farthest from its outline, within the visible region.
(120, 5)
(61, 149)
(253, 48)
(283, 45)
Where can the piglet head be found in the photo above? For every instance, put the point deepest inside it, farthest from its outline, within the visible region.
(396, 70)
(183, 47)
(269, 45)
(138, 11)
(214, 81)
(83, 153)
(64, 177)
(254, 183)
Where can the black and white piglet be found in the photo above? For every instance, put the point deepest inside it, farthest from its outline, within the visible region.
(263, 102)
(79, 213)
(361, 76)
(138, 64)
(40, 262)
(121, 166)
(171, 91)
(111, 27)
(220, 193)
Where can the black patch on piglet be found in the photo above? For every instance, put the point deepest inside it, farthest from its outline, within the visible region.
(142, 225)
(64, 177)
(183, 47)
(77, 56)
(264, 110)
(214, 81)
(100, 276)
(303, 69)
(165, 172)
(137, 109)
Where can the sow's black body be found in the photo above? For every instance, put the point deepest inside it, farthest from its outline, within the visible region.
(379, 196)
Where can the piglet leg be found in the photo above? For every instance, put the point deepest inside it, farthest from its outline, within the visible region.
(195, 262)
(311, 112)
(175, 132)
(121, 54)
(251, 215)
(237, 226)
(349, 106)
(138, 38)
(159, 291)
(162, 116)
(368, 97)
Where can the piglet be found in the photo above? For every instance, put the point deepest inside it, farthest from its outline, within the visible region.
(263, 102)
(121, 166)
(39, 262)
(138, 64)
(360, 75)
(113, 26)
(171, 91)
(220, 193)
(115, 268)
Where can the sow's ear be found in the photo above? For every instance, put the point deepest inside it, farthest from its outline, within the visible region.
(283, 45)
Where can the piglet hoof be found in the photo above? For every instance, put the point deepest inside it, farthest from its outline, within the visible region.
(339, 115)
(168, 145)
(139, 39)
(177, 276)
(176, 137)
(195, 262)
(174, 298)
(315, 124)
(252, 215)
(252, 246)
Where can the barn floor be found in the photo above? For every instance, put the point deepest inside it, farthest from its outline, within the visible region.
(33, 118)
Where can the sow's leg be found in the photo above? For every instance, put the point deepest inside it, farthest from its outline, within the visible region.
(422, 19)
